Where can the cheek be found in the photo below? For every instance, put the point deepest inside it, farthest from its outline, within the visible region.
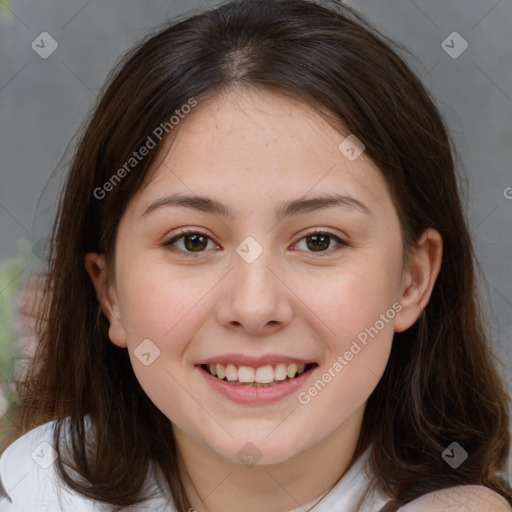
(356, 305)
(159, 299)
(357, 331)
(166, 306)
(352, 298)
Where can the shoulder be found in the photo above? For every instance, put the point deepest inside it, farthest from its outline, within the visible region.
(29, 479)
(462, 498)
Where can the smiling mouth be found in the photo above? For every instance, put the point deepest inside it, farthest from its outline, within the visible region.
(264, 376)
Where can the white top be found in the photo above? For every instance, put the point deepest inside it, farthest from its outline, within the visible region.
(30, 480)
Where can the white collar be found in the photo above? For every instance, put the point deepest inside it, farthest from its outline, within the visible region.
(345, 494)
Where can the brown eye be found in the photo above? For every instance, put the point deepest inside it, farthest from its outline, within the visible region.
(320, 242)
(193, 242)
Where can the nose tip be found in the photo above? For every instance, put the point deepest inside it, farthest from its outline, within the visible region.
(254, 298)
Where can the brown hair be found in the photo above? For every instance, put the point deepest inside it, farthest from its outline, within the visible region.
(440, 384)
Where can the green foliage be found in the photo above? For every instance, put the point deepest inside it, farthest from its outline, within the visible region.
(4, 5)
(12, 273)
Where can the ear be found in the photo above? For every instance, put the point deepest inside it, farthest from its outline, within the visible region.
(96, 267)
(419, 278)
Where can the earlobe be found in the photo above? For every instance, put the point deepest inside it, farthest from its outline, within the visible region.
(419, 278)
(96, 267)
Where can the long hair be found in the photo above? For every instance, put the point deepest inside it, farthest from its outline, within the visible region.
(441, 383)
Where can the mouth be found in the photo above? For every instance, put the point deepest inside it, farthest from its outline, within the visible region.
(269, 375)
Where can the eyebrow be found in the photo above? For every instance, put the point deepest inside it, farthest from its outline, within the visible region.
(293, 207)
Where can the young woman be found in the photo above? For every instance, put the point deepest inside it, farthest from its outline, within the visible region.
(261, 288)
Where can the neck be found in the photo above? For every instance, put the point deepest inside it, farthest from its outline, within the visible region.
(216, 484)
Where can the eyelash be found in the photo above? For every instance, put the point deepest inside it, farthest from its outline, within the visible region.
(184, 234)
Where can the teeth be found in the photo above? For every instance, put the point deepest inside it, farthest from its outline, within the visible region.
(262, 375)
(292, 370)
(221, 371)
(246, 374)
(280, 371)
(231, 372)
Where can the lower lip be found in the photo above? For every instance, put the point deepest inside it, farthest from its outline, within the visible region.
(256, 395)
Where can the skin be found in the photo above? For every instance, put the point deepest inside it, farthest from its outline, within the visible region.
(252, 150)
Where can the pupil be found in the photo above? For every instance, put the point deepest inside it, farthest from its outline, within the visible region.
(195, 245)
(319, 241)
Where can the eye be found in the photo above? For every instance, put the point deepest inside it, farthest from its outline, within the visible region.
(193, 242)
(320, 241)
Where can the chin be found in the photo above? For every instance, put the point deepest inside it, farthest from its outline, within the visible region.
(259, 450)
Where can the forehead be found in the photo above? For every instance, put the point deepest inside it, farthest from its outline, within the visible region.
(262, 145)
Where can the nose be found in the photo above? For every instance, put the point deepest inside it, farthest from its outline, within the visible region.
(254, 297)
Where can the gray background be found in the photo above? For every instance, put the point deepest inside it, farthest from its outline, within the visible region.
(43, 101)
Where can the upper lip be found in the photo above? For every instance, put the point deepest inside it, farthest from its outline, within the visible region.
(255, 362)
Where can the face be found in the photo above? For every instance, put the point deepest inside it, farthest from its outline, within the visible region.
(251, 290)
